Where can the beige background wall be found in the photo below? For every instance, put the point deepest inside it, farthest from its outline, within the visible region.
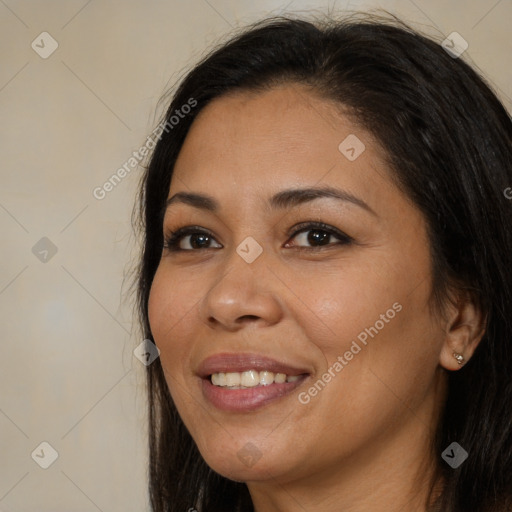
(68, 122)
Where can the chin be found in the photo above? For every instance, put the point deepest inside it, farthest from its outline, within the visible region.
(238, 472)
(244, 464)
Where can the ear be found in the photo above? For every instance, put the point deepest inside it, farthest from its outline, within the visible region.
(464, 327)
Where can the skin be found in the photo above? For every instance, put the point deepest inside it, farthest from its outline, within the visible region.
(363, 442)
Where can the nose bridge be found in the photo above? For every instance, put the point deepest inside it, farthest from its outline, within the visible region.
(243, 289)
(247, 256)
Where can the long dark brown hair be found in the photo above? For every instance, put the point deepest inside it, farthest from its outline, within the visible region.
(448, 143)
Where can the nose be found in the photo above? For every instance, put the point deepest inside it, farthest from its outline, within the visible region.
(244, 293)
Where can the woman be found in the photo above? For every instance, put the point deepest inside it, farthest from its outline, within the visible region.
(327, 275)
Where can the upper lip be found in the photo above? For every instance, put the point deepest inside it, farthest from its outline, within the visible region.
(241, 362)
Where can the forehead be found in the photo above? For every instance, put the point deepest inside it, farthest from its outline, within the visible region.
(255, 143)
(287, 126)
(286, 114)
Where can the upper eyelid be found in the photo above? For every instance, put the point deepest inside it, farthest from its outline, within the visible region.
(322, 226)
(184, 231)
(302, 226)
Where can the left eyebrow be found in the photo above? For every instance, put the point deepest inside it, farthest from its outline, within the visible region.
(281, 200)
(294, 197)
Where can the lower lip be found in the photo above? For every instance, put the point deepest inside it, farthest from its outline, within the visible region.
(249, 399)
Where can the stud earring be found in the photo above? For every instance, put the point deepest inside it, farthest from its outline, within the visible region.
(459, 357)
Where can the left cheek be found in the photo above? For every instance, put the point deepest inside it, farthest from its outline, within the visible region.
(343, 312)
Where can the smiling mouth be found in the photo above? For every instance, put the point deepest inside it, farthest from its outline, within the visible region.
(250, 379)
(238, 398)
(244, 382)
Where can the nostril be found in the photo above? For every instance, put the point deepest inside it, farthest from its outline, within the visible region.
(248, 317)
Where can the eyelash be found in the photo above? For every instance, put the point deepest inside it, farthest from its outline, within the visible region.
(172, 241)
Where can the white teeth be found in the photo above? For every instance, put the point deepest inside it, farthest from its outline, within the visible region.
(266, 378)
(279, 378)
(219, 379)
(250, 379)
(233, 379)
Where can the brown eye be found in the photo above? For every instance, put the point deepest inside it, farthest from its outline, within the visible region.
(313, 235)
(189, 239)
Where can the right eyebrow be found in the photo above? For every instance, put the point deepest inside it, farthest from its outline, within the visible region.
(199, 201)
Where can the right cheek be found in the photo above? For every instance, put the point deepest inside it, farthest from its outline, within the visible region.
(151, 309)
(156, 307)
(163, 320)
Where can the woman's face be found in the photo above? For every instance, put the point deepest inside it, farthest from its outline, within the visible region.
(341, 308)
